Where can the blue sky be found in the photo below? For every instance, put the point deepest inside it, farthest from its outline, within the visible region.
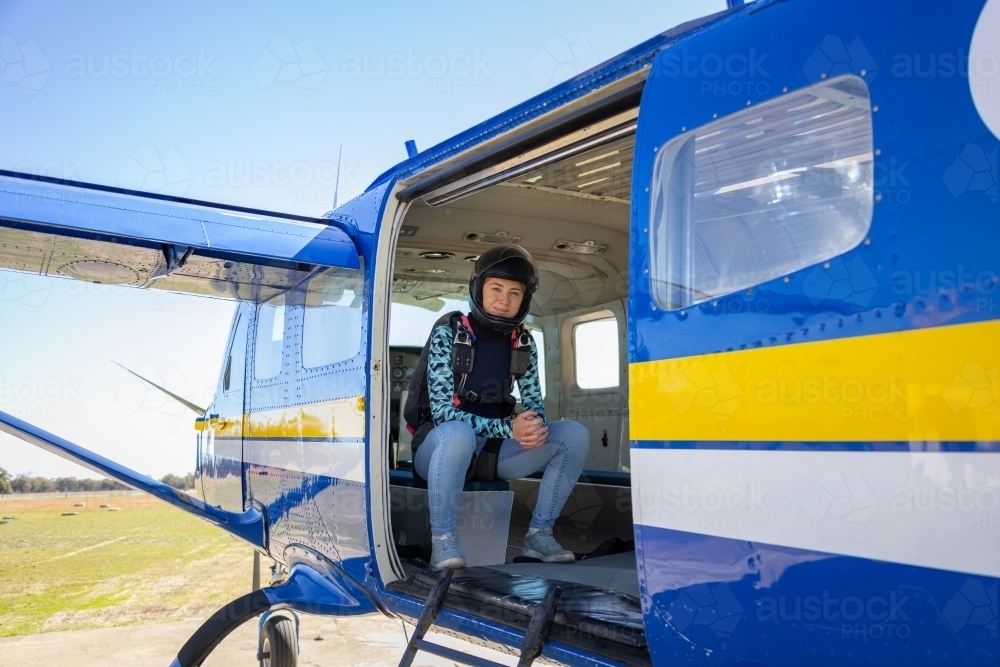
(246, 103)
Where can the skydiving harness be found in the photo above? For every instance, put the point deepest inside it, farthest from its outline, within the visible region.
(417, 413)
(463, 356)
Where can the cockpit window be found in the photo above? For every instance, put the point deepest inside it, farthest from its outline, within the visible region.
(333, 309)
(412, 319)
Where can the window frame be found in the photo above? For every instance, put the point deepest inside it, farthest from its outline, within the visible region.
(606, 315)
(568, 341)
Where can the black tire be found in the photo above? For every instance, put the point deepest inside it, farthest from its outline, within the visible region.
(280, 646)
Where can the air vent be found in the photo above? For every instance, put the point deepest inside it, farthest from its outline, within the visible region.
(400, 286)
(496, 238)
(433, 272)
(584, 248)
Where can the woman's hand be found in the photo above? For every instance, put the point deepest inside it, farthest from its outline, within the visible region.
(530, 430)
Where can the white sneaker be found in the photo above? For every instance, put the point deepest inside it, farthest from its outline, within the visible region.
(445, 553)
(541, 545)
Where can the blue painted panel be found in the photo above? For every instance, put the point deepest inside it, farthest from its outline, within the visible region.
(934, 251)
(324, 514)
(306, 505)
(932, 258)
(711, 600)
(141, 219)
(226, 473)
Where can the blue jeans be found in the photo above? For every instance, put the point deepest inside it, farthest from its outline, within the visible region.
(444, 456)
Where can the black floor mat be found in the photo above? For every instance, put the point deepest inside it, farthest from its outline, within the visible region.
(616, 572)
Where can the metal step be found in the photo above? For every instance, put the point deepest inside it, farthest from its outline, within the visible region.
(531, 648)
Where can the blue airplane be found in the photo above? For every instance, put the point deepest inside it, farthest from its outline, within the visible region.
(768, 243)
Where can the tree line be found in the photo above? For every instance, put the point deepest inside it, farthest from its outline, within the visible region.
(28, 484)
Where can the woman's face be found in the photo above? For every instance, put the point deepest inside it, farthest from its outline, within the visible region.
(502, 297)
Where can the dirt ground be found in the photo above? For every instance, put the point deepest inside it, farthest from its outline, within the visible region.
(355, 641)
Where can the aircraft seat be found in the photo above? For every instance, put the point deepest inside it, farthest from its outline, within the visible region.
(406, 478)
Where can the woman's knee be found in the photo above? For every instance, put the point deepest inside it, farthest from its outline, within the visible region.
(574, 436)
(455, 439)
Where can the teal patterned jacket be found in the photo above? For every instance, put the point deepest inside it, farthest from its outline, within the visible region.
(441, 389)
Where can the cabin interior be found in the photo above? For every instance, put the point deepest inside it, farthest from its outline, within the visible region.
(573, 217)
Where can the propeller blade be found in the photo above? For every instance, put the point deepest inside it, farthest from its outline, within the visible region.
(186, 403)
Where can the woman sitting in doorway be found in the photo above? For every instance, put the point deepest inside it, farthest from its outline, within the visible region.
(475, 413)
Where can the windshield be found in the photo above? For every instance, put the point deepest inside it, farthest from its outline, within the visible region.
(411, 324)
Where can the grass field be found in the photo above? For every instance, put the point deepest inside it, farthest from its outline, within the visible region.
(147, 562)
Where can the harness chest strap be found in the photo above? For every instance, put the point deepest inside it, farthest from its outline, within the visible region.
(463, 357)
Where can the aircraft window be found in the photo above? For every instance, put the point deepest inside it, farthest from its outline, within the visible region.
(413, 319)
(761, 193)
(332, 328)
(270, 338)
(595, 352)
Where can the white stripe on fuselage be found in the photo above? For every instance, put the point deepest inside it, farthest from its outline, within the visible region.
(932, 509)
(342, 459)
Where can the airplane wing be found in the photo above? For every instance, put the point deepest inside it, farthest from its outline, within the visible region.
(109, 235)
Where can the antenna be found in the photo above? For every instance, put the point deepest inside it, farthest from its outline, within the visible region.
(336, 188)
(186, 403)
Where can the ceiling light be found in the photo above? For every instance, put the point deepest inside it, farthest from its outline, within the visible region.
(595, 159)
(472, 259)
(589, 183)
(594, 171)
(437, 255)
(533, 178)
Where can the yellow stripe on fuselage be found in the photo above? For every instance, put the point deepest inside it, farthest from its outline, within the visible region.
(929, 384)
(344, 418)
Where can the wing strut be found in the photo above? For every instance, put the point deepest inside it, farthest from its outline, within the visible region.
(248, 525)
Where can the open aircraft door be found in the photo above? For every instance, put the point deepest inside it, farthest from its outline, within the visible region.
(113, 236)
(802, 170)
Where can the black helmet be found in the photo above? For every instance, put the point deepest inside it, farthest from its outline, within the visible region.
(511, 262)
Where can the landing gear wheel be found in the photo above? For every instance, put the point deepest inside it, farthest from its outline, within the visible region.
(279, 645)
